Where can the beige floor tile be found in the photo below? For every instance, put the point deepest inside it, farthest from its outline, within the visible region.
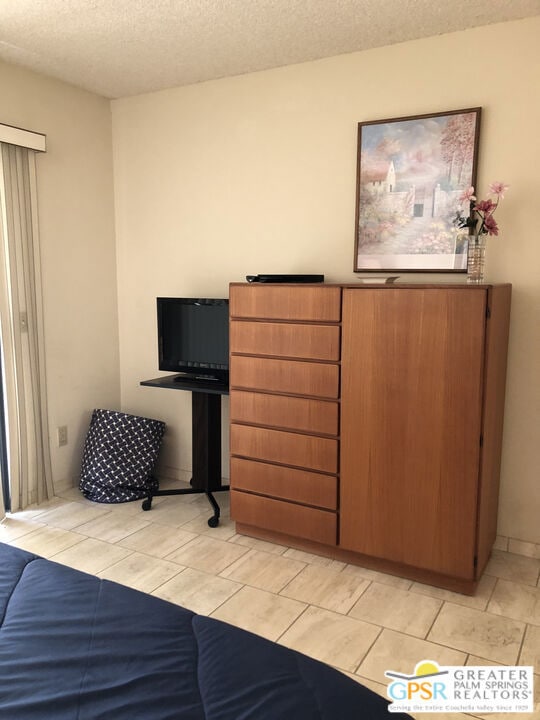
(517, 568)
(336, 639)
(197, 591)
(380, 577)
(260, 612)
(206, 554)
(199, 525)
(476, 660)
(157, 540)
(520, 547)
(501, 543)
(520, 602)
(91, 555)
(173, 511)
(47, 541)
(192, 498)
(535, 715)
(327, 588)
(133, 507)
(530, 652)
(34, 511)
(256, 544)
(307, 557)
(112, 527)
(196, 499)
(263, 570)
(71, 514)
(141, 572)
(478, 601)
(400, 653)
(73, 494)
(480, 633)
(13, 527)
(398, 610)
(176, 483)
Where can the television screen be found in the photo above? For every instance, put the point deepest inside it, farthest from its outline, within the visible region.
(193, 336)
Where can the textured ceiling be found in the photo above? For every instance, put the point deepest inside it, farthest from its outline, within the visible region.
(126, 47)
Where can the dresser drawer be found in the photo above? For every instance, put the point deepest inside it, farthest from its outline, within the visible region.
(284, 517)
(283, 411)
(286, 483)
(316, 342)
(285, 376)
(303, 451)
(286, 302)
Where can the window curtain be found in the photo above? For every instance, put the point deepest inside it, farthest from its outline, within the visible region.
(5, 504)
(21, 328)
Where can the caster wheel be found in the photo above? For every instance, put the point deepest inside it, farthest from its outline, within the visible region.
(147, 504)
(213, 521)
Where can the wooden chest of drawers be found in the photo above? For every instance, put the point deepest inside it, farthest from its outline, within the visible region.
(284, 380)
(366, 422)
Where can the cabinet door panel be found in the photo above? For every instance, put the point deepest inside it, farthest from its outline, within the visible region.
(283, 517)
(286, 302)
(316, 342)
(286, 376)
(301, 486)
(412, 366)
(303, 451)
(284, 411)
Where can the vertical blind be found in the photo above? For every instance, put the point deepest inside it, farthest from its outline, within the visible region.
(22, 330)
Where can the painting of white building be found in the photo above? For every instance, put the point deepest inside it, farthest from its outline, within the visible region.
(411, 174)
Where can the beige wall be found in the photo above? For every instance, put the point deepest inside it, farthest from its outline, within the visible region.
(76, 217)
(257, 174)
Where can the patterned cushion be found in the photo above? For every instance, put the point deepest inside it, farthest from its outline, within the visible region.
(120, 452)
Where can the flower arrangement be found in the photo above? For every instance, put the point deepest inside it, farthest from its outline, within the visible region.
(481, 218)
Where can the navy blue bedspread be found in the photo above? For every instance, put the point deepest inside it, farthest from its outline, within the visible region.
(74, 647)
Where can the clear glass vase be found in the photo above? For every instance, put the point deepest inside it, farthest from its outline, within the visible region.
(476, 251)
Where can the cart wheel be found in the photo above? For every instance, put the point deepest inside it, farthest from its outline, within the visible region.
(213, 521)
(147, 504)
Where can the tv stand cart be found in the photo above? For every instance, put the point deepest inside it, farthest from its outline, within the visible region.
(206, 441)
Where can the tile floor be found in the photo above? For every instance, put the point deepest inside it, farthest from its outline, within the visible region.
(360, 621)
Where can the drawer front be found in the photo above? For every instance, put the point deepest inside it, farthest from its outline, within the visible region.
(303, 451)
(286, 376)
(286, 302)
(316, 342)
(283, 411)
(283, 517)
(286, 483)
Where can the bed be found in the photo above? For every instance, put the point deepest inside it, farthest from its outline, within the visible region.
(73, 646)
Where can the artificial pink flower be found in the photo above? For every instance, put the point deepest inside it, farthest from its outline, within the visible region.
(498, 188)
(485, 206)
(467, 195)
(491, 225)
(481, 220)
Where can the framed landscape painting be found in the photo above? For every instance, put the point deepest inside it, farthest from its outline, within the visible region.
(411, 173)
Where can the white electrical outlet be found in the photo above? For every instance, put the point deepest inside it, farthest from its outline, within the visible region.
(62, 435)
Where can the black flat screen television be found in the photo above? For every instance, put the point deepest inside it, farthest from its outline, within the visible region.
(193, 337)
